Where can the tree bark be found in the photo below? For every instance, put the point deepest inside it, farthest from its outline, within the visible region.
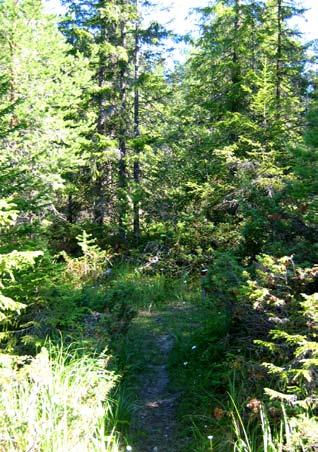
(99, 195)
(236, 73)
(122, 140)
(279, 59)
(136, 129)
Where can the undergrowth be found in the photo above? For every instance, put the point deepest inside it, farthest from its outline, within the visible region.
(65, 397)
(59, 400)
(71, 397)
(248, 373)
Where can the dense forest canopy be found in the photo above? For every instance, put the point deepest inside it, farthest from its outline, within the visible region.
(163, 215)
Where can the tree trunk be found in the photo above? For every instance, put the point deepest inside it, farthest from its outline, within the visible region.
(235, 59)
(70, 209)
(99, 195)
(12, 81)
(122, 140)
(279, 59)
(136, 130)
(235, 101)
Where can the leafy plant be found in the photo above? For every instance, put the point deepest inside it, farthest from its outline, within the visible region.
(10, 263)
(282, 291)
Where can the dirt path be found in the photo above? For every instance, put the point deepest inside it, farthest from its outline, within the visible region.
(152, 338)
(155, 415)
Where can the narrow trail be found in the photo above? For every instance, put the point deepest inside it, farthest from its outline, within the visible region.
(155, 416)
(152, 337)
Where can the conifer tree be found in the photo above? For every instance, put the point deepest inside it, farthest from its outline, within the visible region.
(43, 87)
(99, 31)
(243, 92)
(282, 63)
(113, 37)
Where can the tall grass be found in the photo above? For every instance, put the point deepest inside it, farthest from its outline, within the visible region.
(143, 290)
(290, 434)
(58, 401)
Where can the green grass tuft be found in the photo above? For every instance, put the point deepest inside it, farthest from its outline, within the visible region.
(58, 401)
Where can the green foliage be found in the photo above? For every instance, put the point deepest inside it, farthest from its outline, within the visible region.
(91, 264)
(44, 89)
(224, 277)
(58, 400)
(211, 166)
(8, 264)
(278, 292)
(131, 286)
(61, 311)
(16, 261)
(291, 434)
(199, 368)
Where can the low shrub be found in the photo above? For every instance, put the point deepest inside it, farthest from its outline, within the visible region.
(91, 264)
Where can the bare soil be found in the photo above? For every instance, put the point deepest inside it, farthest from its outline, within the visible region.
(155, 416)
(152, 337)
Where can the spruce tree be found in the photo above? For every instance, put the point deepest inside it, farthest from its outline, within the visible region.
(120, 49)
(43, 88)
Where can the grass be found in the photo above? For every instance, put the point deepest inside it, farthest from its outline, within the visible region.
(144, 291)
(290, 433)
(165, 307)
(197, 362)
(214, 411)
(197, 368)
(60, 400)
